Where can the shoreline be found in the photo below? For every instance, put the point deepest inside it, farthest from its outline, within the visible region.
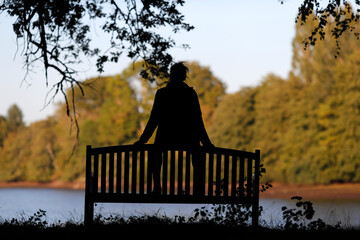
(338, 191)
(76, 185)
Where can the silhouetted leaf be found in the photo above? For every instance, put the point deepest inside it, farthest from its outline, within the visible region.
(297, 198)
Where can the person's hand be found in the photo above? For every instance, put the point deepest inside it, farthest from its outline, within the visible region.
(138, 143)
(210, 146)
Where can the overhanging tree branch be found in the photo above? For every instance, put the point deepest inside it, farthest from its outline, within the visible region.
(337, 15)
(57, 34)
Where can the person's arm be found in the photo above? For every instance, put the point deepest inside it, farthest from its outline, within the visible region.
(152, 123)
(204, 137)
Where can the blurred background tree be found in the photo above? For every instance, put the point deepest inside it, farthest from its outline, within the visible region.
(14, 118)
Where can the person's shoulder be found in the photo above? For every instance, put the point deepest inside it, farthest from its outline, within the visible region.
(161, 90)
(192, 91)
(188, 88)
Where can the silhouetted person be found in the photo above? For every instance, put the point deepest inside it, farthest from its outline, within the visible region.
(177, 116)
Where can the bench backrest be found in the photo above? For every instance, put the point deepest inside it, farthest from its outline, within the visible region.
(230, 175)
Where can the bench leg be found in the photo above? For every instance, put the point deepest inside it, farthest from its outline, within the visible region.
(255, 214)
(89, 212)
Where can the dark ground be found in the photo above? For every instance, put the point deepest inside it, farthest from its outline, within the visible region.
(165, 231)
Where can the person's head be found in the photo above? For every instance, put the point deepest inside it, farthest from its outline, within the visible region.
(178, 72)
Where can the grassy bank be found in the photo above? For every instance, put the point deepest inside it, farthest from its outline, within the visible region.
(219, 222)
(164, 231)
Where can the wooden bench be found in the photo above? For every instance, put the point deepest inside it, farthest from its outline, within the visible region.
(121, 174)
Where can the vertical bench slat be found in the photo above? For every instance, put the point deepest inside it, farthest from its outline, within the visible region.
(103, 173)
(233, 175)
(96, 172)
(134, 172)
(211, 174)
(111, 172)
(126, 173)
(165, 171)
(226, 175)
(118, 171)
(218, 175)
(172, 172)
(149, 171)
(142, 171)
(187, 173)
(249, 178)
(241, 176)
(180, 172)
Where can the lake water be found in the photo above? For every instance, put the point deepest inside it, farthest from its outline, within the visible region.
(68, 205)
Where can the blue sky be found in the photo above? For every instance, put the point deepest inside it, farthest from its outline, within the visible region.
(240, 40)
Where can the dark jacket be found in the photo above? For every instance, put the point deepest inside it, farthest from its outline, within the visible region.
(177, 114)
